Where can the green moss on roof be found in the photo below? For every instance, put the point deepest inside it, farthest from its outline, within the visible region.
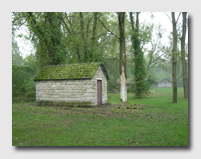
(70, 71)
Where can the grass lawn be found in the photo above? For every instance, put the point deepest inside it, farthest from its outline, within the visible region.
(152, 121)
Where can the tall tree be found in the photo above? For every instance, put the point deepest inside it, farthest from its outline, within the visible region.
(46, 28)
(122, 56)
(93, 39)
(174, 55)
(83, 38)
(174, 59)
(183, 60)
(140, 86)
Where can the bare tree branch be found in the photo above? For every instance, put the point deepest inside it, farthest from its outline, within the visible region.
(171, 20)
(152, 63)
(24, 22)
(87, 30)
(105, 38)
(107, 28)
(65, 25)
(168, 17)
(70, 23)
(178, 17)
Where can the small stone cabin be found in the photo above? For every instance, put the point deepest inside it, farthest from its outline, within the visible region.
(165, 83)
(83, 84)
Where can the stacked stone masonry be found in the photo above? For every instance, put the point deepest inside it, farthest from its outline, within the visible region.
(72, 90)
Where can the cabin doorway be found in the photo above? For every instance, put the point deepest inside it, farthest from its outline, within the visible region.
(99, 92)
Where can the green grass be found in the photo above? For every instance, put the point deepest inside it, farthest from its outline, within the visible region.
(152, 121)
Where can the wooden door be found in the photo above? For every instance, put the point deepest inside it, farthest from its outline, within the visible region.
(99, 92)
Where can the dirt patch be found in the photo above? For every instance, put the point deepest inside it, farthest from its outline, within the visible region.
(104, 109)
(107, 109)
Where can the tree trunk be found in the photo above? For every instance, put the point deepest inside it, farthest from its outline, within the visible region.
(174, 60)
(78, 53)
(93, 36)
(132, 21)
(83, 37)
(122, 57)
(183, 61)
(137, 58)
(178, 72)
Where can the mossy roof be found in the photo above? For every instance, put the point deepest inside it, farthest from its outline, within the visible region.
(70, 71)
(164, 80)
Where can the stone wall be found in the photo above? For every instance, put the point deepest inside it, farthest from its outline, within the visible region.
(72, 90)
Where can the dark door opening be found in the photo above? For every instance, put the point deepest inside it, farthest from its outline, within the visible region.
(99, 92)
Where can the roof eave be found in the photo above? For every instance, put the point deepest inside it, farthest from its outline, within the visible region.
(61, 79)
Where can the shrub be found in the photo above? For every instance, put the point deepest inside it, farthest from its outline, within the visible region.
(23, 86)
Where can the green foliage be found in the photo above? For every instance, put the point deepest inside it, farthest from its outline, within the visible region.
(16, 55)
(113, 69)
(31, 61)
(145, 34)
(23, 86)
(86, 39)
(141, 87)
(112, 85)
(140, 35)
(48, 36)
(73, 37)
(155, 56)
